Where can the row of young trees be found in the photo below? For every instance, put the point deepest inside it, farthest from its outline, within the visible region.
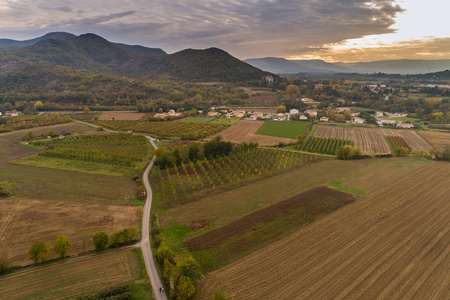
(40, 251)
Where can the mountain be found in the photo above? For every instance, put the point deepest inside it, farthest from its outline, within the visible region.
(279, 65)
(322, 66)
(51, 35)
(402, 66)
(93, 53)
(140, 50)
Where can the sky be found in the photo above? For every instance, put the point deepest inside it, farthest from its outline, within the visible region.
(333, 30)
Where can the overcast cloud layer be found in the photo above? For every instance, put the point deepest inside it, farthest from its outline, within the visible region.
(251, 28)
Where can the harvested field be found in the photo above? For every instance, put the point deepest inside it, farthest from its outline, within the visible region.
(244, 131)
(122, 116)
(437, 139)
(267, 225)
(349, 254)
(11, 149)
(23, 221)
(373, 141)
(398, 142)
(72, 277)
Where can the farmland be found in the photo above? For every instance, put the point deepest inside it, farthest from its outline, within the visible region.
(74, 276)
(398, 142)
(188, 182)
(120, 116)
(265, 226)
(30, 121)
(211, 120)
(285, 129)
(352, 254)
(437, 139)
(245, 131)
(324, 145)
(373, 141)
(183, 130)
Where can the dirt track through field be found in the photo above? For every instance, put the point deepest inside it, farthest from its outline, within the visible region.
(351, 255)
(373, 141)
(244, 131)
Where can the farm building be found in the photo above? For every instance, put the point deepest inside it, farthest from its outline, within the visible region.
(278, 118)
(324, 119)
(239, 113)
(386, 122)
(213, 114)
(407, 126)
(294, 111)
(357, 120)
(303, 117)
(379, 114)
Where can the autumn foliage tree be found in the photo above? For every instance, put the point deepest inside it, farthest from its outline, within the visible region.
(39, 252)
(62, 245)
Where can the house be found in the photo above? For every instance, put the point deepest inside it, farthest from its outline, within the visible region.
(258, 115)
(239, 113)
(278, 118)
(407, 126)
(171, 112)
(379, 114)
(213, 114)
(354, 114)
(229, 116)
(293, 111)
(386, 122)
(11, 113)
(160, 116)
(324, 119)
(342, 109)
(357, 120)
(311, 112)
(303, 117)
(269, 79)
(306, 100)
(224, 111)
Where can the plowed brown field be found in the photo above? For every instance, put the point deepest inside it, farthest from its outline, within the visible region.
(373, 141)
(244, 131)
(350, 255)
(23, 221)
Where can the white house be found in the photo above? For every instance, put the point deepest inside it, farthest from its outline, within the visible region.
(311, 112)
(269, 79)
(324, 119)
(357, 120)
(213, 114)
(293, 111)
(408, 126)
(387, 122)
(279, 118)
(379, 114)
(303, 117)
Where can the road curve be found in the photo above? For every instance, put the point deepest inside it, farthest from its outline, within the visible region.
(145, 240)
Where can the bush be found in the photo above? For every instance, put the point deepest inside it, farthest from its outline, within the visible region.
(185, 288)
(401, 151)
(5, 265)
(5, 189)
(219, 295)
(190, 268)
(122, 237)
(349, 152)
(100, 240)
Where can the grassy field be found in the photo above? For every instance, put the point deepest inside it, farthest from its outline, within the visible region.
(362, 108)
(81, 275)
(438, 139)
(286, 129)
(390, 245)
(405, 119)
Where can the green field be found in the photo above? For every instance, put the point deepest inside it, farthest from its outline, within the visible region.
(362, 108)
(405, 119)
(211, 120)
(286, 129)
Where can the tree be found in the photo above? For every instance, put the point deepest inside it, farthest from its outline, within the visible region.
(38, 105)
(292, 89)
(190, 268)
(300, 138)
(100, 240)
(62, 245)
(281, 109)
(219, 295)
(401, 151)
(330, 113)
(28, 136)
(185, 288)
(159, 152)
(194, 153)
(86, 109)
(5, 189)
(344, 152)
(39, 252)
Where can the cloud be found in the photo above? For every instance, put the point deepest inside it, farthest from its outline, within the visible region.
(251, 28)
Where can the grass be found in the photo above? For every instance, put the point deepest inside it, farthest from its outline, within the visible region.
(362, 108)
(405, 119)
(286, 129)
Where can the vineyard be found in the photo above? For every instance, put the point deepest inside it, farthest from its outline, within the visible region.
(373, 141)
(398, 142)
(324, 145)
(115, 149)
(183, 130)
(191, 181)
(30, 121)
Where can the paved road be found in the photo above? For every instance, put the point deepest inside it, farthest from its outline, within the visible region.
(145, 241)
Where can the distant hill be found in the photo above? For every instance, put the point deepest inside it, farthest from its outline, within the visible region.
(402, 66)
(405, 66)
(51, 35)
(93, 53)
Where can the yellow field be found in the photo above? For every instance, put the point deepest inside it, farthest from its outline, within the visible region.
(437, 139)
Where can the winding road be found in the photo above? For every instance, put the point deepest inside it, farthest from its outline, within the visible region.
(145, 241)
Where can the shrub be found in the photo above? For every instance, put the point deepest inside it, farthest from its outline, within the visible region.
(122, 237)
(5, 189)
(219, 295)
(100, 240)
(190, 268)
(185, 288)
(4, 262)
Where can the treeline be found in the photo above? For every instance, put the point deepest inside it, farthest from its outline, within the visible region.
(115, 148)
(26, 121)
